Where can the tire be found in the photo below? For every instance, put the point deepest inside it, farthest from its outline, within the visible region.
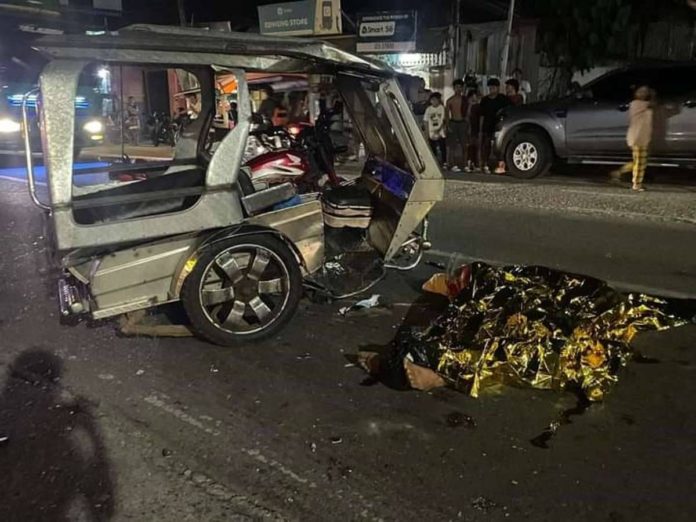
(229, 275)
(528, 155)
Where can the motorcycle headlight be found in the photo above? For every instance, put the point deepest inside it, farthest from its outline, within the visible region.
(8, 126)
(94, 127)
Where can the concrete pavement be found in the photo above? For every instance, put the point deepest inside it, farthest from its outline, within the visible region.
(288, 429)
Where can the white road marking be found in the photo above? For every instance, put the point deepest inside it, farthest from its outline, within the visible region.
(257, 455)
(154, 400)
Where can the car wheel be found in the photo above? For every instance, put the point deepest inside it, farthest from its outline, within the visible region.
(528, 155)
(242, 289)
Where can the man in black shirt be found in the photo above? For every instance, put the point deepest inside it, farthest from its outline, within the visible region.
(491, 105)
(269, 103)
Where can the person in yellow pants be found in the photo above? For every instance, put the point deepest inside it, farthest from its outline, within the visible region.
(639, 136)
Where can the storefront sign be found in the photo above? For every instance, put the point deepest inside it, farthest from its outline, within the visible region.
(96, 5)
(305, 18)
(33, 5)
(328, 17)
(57, 5)
(387, 32)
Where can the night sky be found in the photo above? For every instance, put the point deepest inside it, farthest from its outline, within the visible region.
(243, 14)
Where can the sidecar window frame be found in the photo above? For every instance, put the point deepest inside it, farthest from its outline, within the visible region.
(215, 206)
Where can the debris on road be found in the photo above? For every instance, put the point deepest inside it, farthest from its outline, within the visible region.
(139, 372)
(529, 326)
(542, 440)
(456, 419)
(483, 504)
(365, 304)
(334, 267)
(336, 440)
(151, 324)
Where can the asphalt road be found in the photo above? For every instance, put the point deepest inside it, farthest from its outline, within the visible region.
(576, 223)
(175, 429)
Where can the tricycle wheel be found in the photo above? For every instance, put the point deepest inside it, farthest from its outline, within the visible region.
(242, 289)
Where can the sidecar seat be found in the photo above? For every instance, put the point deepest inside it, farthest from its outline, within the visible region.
(347, 206)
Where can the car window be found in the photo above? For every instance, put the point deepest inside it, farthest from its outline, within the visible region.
(619, 87)
(668, 82)
(676, 82)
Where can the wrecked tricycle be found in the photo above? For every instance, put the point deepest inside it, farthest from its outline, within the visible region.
(132, 229)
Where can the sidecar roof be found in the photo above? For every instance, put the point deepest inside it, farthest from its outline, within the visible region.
(244, 50)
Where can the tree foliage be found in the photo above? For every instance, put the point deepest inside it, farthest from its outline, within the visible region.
(576, 35)
(579, 34)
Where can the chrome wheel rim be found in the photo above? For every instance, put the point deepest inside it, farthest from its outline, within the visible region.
(244, 289)
(525, 156)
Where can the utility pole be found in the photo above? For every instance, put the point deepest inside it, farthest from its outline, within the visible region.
(182, 12)
(456, 52)
(506, 46)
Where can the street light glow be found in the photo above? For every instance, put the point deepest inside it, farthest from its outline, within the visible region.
(8, 126)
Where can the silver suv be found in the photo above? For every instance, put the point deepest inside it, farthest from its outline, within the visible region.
(590, 125)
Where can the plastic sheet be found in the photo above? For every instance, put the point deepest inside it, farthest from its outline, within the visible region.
(536, 327)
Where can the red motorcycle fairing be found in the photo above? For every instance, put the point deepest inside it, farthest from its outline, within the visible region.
(278, 167)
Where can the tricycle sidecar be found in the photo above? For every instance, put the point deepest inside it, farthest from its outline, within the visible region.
(194, 227)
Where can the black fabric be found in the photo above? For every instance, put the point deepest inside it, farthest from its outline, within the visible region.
(186, 178)
(348, 196)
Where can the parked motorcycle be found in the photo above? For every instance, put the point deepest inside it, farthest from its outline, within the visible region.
(164, 129)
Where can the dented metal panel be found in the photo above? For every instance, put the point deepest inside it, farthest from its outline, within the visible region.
(137, 277)
(185, 42)
(304, 226)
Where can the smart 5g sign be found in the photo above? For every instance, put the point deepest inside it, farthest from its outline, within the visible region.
(305, 18)
(387, 32)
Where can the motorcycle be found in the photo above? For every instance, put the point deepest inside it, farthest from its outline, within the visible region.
(164, 129)
(307, 162)
(265, 138)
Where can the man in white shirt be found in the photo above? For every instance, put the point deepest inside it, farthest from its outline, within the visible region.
(525, 87)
